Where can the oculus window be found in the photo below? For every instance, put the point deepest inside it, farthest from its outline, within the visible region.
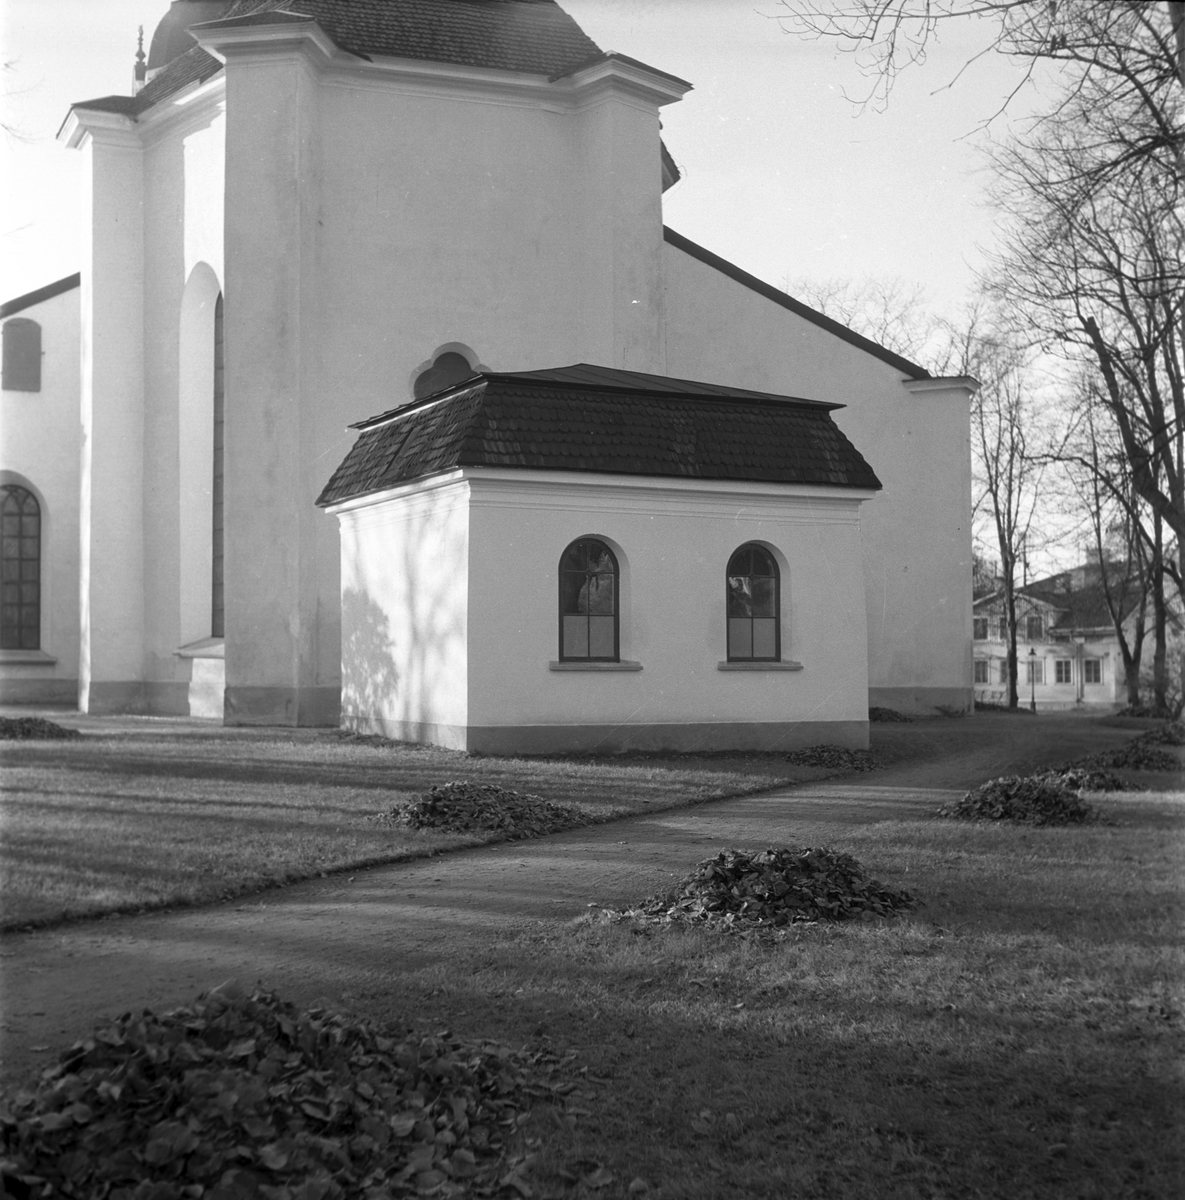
(20, 569)
(588, 603)
(754, 621)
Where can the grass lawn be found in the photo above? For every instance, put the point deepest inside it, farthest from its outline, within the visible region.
(1019, 1036)
(137, 821)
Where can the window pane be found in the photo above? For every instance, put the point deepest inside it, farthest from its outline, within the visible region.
(1004, 671)
(600, 637)
(597, 595)
(979, 629)
(765, 635)
(740, 637)
(763, 564)
(764, 591)
(1094, 670)
(571, 587)
(575, 637)
(740, 602)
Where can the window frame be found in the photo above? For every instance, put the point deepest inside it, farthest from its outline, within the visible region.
(560, 570)
(777, 607)
(982, 667)
(1063, 666)
(1087, 664)
(17, 491)
(1035, 675)
(978, 623)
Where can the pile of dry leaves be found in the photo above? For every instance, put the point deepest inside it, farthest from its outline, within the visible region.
(29, 728)
(776, 887)
(1041, 799)
(466, 807)
(834, 757)
(246, 1096)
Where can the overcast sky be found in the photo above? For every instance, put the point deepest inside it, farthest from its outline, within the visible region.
(782, 174)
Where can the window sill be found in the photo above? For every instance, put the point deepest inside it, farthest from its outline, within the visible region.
(594, 666)
(36, 657)
(785, 665)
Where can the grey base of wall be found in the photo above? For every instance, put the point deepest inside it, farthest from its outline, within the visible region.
(55, 692)
(619, 739)
(312, 706)
(147, 697)
(922, 701)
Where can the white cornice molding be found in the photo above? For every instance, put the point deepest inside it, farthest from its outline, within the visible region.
(617, 74)
(195, 107)
(258, 41)
(948, 383)
(103, 128)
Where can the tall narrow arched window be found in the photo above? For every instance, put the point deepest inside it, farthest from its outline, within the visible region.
(217, 595)
(754, 615)
(20, 569)
(21, 369)
(588, 603)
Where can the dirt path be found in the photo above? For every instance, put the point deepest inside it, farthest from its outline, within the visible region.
(340, 938)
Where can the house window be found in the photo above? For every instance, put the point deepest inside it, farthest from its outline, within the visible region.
(754, 633)
(20, 569)
(979, 628)
(1034, 627)
(1092, 670)
(1004, 671)
(22, 355)
(1063, 671)
(1003, 635)
(1036, 670)
(588, 603)
(982, 667)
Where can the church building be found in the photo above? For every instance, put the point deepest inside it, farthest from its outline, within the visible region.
(384, 397)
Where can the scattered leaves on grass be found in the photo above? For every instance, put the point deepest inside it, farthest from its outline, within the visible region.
(1028, 799)
(22, 728)
(876, 713)
(776, 887)
(241, 1096)
(465, 807)
(1085, 778)
(1142, 753)
(832, 756)
(1172, 734)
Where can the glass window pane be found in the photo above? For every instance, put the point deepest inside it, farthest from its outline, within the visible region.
(597, 596)
(571, 592)
(601, 638)
(763, 564)
(740, 637)
(765, 638)
(764, 594)
(740, 603)
(574, 558)
(575, 637)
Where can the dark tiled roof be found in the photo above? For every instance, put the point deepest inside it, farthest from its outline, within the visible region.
(594, 419)
(911, 369)
(48, 292)
(1081, 600)
(535, 36)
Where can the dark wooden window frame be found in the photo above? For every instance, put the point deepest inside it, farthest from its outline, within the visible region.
(616, 656)
(777, 578)
(20, 622)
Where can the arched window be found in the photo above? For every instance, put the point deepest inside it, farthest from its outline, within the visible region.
(20, 569)
(754, 624)
(446, 369)
(22, 355)
(588, 603)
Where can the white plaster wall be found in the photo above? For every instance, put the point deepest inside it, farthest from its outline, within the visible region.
(40, 436)
(405, 613)
(675, 539)
(917, 531)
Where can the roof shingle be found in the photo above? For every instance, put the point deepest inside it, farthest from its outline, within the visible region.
(594, 419)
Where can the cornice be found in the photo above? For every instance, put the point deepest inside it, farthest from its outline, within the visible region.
(103, 128)
(949, 383)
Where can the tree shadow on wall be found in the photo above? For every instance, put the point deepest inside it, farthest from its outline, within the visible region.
(370, 685)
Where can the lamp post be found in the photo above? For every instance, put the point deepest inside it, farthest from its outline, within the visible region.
(1032, 679)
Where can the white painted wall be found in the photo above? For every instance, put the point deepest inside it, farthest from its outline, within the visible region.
(40, 435)
(450, 619)
(917, 531)
(405, 613)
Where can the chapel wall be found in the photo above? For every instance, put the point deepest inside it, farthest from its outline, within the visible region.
(40, 451)
(917, 531)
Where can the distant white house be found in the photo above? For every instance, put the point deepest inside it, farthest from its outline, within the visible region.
(309, 214)
(1067, 648)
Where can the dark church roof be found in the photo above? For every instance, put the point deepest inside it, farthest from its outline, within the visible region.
(534, 36)
(604, 421)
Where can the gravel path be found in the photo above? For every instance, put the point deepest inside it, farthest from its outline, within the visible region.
(333, 939)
